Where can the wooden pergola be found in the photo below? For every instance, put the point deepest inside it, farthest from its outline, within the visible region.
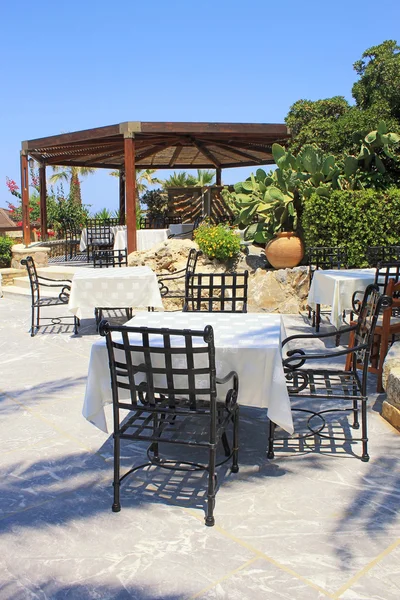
(147, 145)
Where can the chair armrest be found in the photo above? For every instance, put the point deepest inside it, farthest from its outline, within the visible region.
(232, 394)
(301, 357)
(168, 276)
(317, 336)
(64, 294)
(357, 302)
(54, 280)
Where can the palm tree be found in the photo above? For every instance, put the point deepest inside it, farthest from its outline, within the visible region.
(72, 174)
(182, 179)
(144, 178)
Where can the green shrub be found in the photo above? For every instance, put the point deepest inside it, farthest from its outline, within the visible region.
(217, 241)
(5, 251)
(353, 220)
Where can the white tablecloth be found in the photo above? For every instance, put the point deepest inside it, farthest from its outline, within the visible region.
(114, 287)
(248, 343)
(145, 238)
(336, 287)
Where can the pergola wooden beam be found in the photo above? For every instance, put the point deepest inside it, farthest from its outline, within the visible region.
(146, 145)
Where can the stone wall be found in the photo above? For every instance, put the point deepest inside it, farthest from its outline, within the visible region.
(272, 291)
(391, 384)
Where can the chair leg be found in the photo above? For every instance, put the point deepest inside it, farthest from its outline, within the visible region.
(116, 507)
(225, 444)
(313, 319)
(317, 317)
(235, 455)
(365, 456)
(37, 318)
(356, 424)
(270, 453)
(76, 325)
(210, 521)
(32, 321)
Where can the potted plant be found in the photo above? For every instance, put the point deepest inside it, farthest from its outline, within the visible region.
(274, 200)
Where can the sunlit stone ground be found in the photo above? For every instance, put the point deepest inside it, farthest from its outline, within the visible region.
(315, 522)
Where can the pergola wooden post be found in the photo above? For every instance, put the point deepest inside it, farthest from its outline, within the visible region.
(218, 177)
(121, 197)
(130, 190)
(26, 225)
(43, 202)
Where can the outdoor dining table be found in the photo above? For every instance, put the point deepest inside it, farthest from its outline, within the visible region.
(116, 287)
(335, 288)
(249, 344)
(145, 238)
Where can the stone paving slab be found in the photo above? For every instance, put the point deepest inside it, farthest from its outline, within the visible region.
(313, 523)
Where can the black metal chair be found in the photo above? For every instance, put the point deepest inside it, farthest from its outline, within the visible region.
(110, 258)
(153, 223)
(321, 257)
(382, 254)
(383, 273)
(173, 286)
(322, 385)
(167, 379)
(188, 234)
(216, 292)
(172, 220)
(99, 236)
(105, 259)
(37, 283)
(72, 234)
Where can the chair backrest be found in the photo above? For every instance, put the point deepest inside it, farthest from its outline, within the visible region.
(153, 363)
(379, 254)
(33, 276)
(110, 258)
(152, 223)
(192, 260)
(322, 257)
(385, 271)
(373, 302)
(173, 220)
(99, 232)
(216, 292)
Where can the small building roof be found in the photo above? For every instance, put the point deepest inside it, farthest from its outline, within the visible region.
(5, 219)
(163, 145)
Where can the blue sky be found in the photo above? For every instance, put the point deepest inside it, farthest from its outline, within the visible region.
(73, 65)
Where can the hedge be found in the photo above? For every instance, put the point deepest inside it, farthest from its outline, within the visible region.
(6, 244)
(353, 220)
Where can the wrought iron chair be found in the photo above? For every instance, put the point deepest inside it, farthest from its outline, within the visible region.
(110, 258)
(153, 223)
(385, 271)
(216, 292)
(37, 283)
(172, 220)
(326, 384)
(188, 234)
(386, 330)
(72, 234)
(381, 254)
(99, 236)
(167, 379)
(105, 259)
(173, 286)
(321, 257)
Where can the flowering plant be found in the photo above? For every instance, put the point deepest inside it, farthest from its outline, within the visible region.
(217, 241)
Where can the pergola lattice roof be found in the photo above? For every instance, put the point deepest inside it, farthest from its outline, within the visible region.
(162, 145)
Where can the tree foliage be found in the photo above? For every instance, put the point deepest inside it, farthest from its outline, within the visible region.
(331, 122)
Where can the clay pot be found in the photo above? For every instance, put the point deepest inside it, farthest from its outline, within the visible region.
(285, 251)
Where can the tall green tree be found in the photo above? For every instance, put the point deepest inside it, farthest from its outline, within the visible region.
(331, 122)
(71, 175)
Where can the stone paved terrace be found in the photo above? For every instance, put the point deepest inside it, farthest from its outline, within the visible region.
(313, 523)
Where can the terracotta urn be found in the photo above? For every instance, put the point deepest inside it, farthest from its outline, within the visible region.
(285, 251)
